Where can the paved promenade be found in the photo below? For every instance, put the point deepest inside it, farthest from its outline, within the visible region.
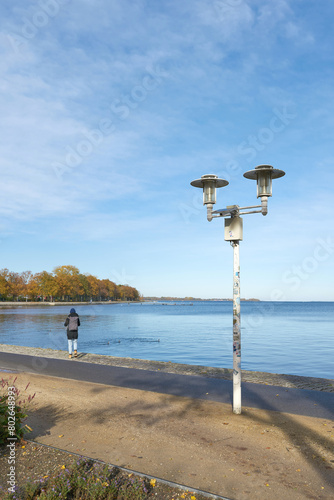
(280, 380)
(285, 393)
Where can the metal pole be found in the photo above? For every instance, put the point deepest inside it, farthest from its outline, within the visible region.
(236, 330)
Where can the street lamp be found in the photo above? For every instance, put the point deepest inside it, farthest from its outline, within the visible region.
(209, 183)
(263, 174)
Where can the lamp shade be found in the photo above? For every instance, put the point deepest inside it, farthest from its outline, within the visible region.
(264, 174)
(209, 183)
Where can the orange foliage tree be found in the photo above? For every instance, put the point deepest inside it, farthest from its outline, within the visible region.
(64, 283)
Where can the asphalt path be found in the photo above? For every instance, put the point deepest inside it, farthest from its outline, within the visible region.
(265, 397)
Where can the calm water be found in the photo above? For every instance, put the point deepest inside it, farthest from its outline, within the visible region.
(278, 337)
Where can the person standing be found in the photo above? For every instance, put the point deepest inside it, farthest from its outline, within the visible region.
(72, 322)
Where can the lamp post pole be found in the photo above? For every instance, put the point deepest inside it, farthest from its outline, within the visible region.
(236, 330)
(234, 234)
(263, 174)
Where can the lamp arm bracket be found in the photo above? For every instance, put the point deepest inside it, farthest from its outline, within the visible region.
(251, 212)
(252, 206)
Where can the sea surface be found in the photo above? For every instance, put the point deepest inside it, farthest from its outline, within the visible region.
(277, 337)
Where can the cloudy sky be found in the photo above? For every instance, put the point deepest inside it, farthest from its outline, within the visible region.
(110, 108)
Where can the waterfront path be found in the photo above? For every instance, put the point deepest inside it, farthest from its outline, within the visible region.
(288, 393)
(307, 402)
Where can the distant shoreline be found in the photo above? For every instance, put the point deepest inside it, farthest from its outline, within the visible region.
(110, 302)
(51, 304)
(5, 304)
(145, 300)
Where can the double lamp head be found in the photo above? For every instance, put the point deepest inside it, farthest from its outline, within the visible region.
(263, 174)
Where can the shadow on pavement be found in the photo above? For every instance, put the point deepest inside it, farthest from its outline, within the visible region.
(307, 440)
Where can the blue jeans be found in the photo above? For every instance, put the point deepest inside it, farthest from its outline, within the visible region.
(72, 344)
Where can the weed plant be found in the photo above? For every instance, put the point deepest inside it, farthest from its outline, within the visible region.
(19, 408)
(85, 480)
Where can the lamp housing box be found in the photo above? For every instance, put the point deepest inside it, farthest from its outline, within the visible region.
(233, 229)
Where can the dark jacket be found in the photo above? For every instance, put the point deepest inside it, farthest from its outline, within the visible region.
(72, 322)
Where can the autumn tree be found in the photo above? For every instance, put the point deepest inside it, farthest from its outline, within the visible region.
(93, 286)
(46, 285)
(84, 285)
(112, 289)
(26, 278)
(3, 282)
(32, 288)
(64, 281)
(16, 285)
(127, 292)
(67, 281)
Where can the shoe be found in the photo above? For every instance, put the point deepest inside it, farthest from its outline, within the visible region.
(75, 354)
(70, 356)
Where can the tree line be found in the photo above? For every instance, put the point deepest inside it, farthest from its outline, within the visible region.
(65, 283)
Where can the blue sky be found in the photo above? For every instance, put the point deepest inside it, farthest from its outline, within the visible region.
(111, 108)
